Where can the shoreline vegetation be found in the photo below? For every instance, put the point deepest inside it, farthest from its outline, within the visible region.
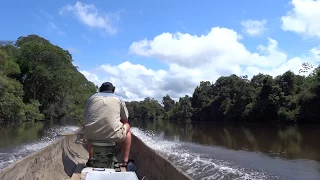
(285, 99)
(39, 82)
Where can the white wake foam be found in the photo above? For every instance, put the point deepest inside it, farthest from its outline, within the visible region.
(197, 165)
(51, 136)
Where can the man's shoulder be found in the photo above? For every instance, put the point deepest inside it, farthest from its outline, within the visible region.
(107, 95)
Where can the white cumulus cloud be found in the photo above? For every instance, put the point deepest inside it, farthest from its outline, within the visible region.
(191, 59)
(254, 27)
(303, 18)
(91, 16)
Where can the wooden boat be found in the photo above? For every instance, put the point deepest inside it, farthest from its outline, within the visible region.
(65, 159)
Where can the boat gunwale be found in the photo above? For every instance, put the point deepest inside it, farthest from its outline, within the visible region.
(11, 166)
(62, 137)
(164, 159)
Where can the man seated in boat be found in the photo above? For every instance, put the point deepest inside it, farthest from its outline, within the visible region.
(106, 118)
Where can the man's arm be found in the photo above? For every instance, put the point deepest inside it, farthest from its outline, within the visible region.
(124, 114)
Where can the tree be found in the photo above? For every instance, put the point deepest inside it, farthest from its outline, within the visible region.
(39, 81)
(12, 107)
(168, 103)
(202, 95)
(286, 98)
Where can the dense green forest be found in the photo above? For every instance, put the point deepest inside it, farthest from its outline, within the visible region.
(39, 82)
(287, 98)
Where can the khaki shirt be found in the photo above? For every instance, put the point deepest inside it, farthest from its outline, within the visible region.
(102, 117)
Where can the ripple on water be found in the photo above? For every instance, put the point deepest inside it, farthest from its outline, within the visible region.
(198, 165)
(51, 136)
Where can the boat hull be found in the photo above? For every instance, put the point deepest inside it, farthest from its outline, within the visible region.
(61, 160)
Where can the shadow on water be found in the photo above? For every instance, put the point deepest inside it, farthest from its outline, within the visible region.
(236, 151)
(13, 135)
(18, 134)
(19, 140)
(289, 142)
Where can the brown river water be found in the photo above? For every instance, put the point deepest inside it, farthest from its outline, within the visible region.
(228, 151)
(203, 150)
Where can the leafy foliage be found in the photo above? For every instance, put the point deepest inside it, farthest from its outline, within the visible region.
(39, 82)
(286, 98)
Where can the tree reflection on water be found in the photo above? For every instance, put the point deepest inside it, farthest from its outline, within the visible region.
(290, 142)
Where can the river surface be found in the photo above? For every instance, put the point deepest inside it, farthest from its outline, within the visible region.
(18, 141)
(203, 150)
(220, 151)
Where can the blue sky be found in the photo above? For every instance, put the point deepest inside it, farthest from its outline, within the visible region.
(216, 38)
